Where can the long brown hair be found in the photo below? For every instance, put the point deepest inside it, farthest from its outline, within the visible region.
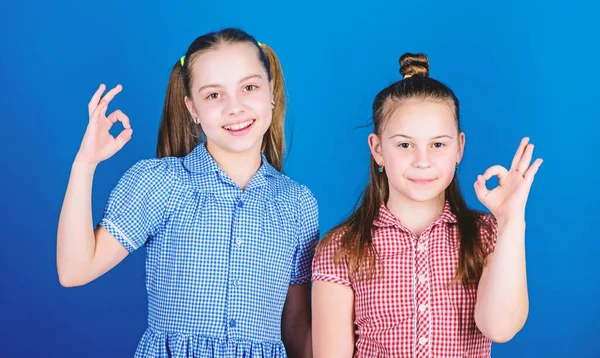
(355, 233)
(179, 135)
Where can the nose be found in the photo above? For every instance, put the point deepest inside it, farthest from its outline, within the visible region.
(421, 159)
(234, 105)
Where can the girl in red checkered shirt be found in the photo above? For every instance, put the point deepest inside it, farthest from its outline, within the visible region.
(413, 272)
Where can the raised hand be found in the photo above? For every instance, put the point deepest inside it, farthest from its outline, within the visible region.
(510, 196)
(98, 144)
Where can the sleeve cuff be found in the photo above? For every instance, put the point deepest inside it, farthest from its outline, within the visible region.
(121, 237)
(330, 278)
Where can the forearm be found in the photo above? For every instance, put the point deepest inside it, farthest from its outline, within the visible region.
(75, 238)
(333, 320)
(296, 322)
(297, 338)
(502, 299)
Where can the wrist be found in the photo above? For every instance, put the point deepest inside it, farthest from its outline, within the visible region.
(82, 163)
(512, 219)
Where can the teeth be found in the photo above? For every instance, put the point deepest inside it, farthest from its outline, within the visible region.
(237, 127)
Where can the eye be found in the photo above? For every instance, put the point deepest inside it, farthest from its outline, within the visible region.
(438, 145)
(213, 95)
(405, 145)
(249, 88)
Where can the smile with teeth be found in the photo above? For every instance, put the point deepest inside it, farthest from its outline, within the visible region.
(239, 126)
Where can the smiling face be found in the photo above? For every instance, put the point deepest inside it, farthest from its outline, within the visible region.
(231, 97)
(419, 146)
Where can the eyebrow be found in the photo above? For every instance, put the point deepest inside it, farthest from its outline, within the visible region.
(409, 137)
(219, 86)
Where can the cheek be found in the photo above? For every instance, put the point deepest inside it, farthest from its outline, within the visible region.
(446, 163)
(390, 152)
(263, 111)
(260, 104)
(395, 161)
(209, 115)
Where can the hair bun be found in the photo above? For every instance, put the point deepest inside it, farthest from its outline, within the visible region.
(414, 65)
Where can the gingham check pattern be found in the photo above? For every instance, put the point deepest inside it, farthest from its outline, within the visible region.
(409, 309)
(219, 259)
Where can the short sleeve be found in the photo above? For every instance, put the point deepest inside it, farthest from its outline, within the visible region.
(324, 267)
(136, 206)
(308, 237)
(489, 233)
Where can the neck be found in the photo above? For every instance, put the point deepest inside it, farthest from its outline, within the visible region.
(416, 216)
(240, 167)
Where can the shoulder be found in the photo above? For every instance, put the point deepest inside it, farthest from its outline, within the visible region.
(292, 193)
(151, 174)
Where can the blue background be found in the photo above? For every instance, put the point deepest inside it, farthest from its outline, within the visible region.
(518, 69)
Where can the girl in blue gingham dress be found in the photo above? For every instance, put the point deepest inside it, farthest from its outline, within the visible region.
(229, 238)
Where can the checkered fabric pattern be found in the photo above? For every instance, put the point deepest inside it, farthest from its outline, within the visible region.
(410, 309)
(219, 259)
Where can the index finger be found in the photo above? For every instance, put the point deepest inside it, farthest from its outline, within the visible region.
(496, 170)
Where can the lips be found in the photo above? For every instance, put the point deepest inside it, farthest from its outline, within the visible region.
(239, 126)
(421, 180)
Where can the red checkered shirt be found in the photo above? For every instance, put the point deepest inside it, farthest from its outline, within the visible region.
(410, 309)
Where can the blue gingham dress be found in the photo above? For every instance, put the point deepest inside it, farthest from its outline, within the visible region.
(219, 259)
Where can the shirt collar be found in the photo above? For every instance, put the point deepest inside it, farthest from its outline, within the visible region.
(200, 160)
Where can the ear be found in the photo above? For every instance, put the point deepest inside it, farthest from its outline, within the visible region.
(190, 106)
(461, 147)
(375, 145)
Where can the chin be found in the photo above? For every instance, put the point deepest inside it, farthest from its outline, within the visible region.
(241, 145)
(423, 198)
(242, 148)
(423, 195)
